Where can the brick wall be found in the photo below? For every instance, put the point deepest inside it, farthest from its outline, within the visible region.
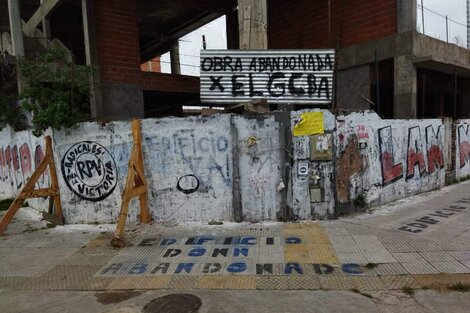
(153, 65)
(117, 34)
(303, 24)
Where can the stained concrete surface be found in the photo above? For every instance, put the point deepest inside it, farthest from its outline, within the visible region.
(424, 301)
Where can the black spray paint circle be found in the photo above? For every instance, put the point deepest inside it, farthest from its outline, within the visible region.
(89, 171)
(184, 189)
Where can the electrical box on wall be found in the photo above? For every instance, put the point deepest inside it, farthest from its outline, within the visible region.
(321, 147)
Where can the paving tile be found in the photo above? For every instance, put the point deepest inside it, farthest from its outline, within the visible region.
(212, 282)
(399, 281)
(12, 270)
(304, 282)
(460, 255)
(419, 268)
(389, 269)
(437, 256)
(183, 282)
(271, 282)
(399, 246)
(380, 257)
(332, 282)
(141, 282)
(408, 257)
(451, 267)
(442, 279)
(466, 263)
(241, 282)
(351, 258)
(368, 282)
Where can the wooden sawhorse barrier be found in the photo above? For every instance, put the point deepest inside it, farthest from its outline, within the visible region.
(28, 191)
(136, 186)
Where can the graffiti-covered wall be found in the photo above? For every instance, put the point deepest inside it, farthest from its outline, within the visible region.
(386, 160)
(462, 148)
(313, 170)
(231, 167)
(20, 154)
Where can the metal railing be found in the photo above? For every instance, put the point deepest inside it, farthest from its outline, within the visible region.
(442, 26)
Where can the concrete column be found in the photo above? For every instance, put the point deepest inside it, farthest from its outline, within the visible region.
(46, 27)
(175, 59)
(406, 15)
(91, 58)
(16, 29)
(405, 88)
(252, 24)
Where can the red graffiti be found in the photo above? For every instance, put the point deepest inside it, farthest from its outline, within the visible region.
(390, 172)
(3, 166)
(415, 158)
(26, 162)
(464, 153)
(435, 158)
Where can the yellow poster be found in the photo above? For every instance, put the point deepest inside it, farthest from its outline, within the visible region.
(310, 123)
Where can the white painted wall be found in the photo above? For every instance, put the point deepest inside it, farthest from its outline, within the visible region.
(189, 164)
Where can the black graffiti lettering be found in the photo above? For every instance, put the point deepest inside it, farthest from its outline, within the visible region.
(261, 268)
(237, 86)
(194, 182)
(428, 220)
(211, 268)
(321, 269)
(216, 252)
(292, 89)
(404, 228)
(253, 92)
(417, 225)
(216, 83)
(281, 86)
(89, 171)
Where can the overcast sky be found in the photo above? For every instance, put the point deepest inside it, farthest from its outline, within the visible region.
(434, 25)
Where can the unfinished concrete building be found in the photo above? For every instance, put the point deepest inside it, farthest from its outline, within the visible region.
(383, 62)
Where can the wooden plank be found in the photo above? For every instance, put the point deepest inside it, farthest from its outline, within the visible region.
(44, 192)
(145, 216)
(137, 191)
(53, 175)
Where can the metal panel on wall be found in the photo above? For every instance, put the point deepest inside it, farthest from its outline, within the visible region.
(279, 76)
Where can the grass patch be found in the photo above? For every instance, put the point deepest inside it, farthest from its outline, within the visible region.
(459, 287)
(360, 201)
(5, 204)
(407, 290)
(371, 265)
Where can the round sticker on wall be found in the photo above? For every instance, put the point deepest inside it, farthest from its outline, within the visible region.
(89, 171)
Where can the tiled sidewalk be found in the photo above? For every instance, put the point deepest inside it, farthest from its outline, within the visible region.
(413, 244)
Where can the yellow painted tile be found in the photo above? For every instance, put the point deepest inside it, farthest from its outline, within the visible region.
(154, 282)
(212, 282)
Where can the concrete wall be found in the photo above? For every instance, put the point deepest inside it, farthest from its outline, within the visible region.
(462, 149)
(386, 160)
(20, 154)
(223, 167)
(320, 175)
